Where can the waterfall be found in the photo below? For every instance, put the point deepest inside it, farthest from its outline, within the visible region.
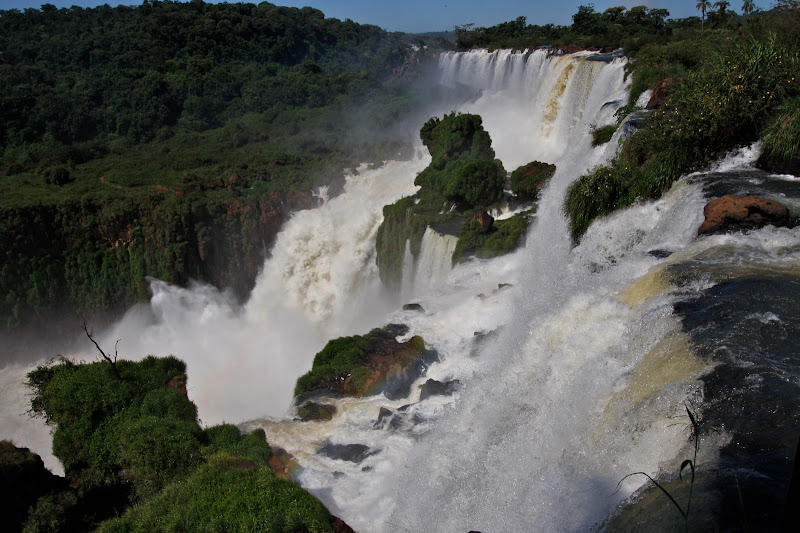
(574, 368)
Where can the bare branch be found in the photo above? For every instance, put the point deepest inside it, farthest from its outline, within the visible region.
(112, 362)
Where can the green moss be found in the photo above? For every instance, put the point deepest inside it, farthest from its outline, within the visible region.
(340, 357)
(463, 175)
(528, 180)
(346, 363)
(603, 134)
(227, 495)
(504, 237)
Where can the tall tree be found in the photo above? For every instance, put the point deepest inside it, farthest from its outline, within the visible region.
(702, 6)
(748, 7)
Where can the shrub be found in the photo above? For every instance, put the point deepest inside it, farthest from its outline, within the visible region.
(504, 237)
(603, 134)
(528, 180)
(227, 495)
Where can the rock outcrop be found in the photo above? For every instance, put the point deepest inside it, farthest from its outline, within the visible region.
(736, 212)
(528, 180)
(370, 364)
(661, 93)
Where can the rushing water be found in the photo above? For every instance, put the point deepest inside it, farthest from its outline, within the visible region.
(575, 363)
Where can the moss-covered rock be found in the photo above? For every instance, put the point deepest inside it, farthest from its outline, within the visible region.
(503, 237)
(528, 180)
(463, 176)
(362, 365)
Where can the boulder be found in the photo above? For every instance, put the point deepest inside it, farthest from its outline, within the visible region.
(437, 388)
(283, 463)
(661, 93)
(485, 220)
(736, 212)
(354, 453)
(316, 412)
(413, 307)
(370, 364)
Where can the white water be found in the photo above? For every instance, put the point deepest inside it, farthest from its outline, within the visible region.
(552, 412)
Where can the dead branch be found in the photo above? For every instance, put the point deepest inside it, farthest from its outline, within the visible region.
(112, 362)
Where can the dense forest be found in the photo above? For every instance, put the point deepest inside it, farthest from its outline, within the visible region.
(172, 139)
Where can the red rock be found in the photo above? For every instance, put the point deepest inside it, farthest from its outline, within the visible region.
(485, 220)
(735, 212)
(661, 93)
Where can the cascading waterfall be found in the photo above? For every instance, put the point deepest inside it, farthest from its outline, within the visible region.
(573, 367)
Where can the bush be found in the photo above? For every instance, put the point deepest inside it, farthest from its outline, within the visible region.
(528, 180)
(603, 134)
(227, 495)
(504, 237)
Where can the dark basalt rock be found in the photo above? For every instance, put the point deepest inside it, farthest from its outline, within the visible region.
(355, 453)
(413, 307)
(735, 212)
(316, 412)
(437, 388)
(485, 220)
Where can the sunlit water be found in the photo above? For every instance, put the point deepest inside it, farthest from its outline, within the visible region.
(591, 354)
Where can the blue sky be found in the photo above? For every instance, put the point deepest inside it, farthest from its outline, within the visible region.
(433, 15)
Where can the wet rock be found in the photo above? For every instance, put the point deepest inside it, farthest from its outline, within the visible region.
(371, 364)
(661, 93)
(339, 526)
(283, 463)
(413, 307)
(659, 254)
(355, 453)
(316, 412)
(735, 212)
(485, 220)
(437, 388)
(480, 338)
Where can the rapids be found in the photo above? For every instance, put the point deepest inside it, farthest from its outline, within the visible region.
(575, 363)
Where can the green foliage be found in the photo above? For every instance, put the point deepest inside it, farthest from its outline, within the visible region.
(728, 100)
(504, 237)
(463, 174)
(781, 137)
(527, 180)
(132, 430)
(169, 140)
(615, 27)
(227, 495)
(603, 134)
(52, 513)
(253, 446)
(340, 357)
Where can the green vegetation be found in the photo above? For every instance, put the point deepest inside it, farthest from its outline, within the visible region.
(361, 364)
(463, 176)
(743, 87)
(504, 236)
(528, 180)
(172, 139)
(603, 134)
(134, 438)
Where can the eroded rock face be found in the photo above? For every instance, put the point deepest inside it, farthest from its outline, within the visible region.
(736, 212)
(316, 412)
(661, 93)
(485, 220)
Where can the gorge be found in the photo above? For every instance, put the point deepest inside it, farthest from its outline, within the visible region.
(575, 362)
